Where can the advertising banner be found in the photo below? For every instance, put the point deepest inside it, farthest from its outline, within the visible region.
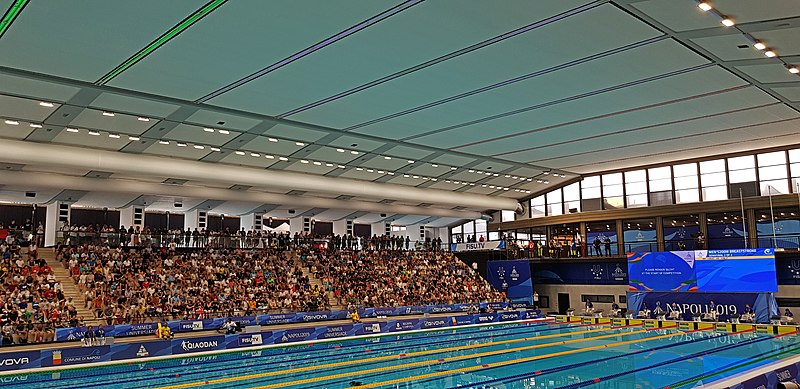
(513, 278)
(75, 355)
(19, 360)
(193, 345)
(478, 246)
(698, 303)
(584, 272)
(141, 350)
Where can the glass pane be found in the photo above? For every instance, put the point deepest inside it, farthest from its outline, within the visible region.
(771, 159)
(659, 173)
(689, 169)
(687, 196)
(612, 179)
(633, 188)
(572, 192)
(591, 193)
(508, 216)
(494, 236)
(612, 190)
(746, 175)
(717, 165)
(589, 182)
(715, 193)
(660, 185)
(614, 202)
(794, 155)
(795, 167)
(538, 200)
(685, 182)
(554, 196)
(774, 187)
(738, 163)
(537, 210)
(636, 175)
(772, 172)
(713, 179)
(456, 230)
(639, 200)
(469, 228)
(554, 209)
(480, 225)
(572, 205)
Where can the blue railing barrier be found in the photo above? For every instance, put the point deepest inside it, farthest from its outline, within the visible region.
(123, 330)
(70, 356)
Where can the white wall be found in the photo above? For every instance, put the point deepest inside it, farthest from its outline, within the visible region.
(575, 292)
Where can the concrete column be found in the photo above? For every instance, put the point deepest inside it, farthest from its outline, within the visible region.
(52, 225)
(378, 228)
(191, 220)
(295, 225)
(251, 221)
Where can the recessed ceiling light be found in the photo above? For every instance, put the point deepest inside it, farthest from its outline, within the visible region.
(317, 163)
(471, 184)
(359, 169)
(106, 113)
(434, 179)
(527, 191)
(240, 153)
(453, 168)
(488, 173)
(133, 138)
(267, 156)
(164, 142)
(704, 6)
(507, 176)
(354, 152)
(208, 129)
(529, 179)
(272, 139)
(387, 157)
(224, 132)
(34, 125)
(406, 175)
(390, 173)
(770, 53)
(181, 144)
(115, 136)
(447, 181)
(46, 104)
(381, 171)
(495, 174)
(300, 143)
(483, 186)
(371, 170)
(199, 147)
(546, 182)
(329, 164)
(434, 165)
(410, 161)
(759, 45)
(539, 181)
(303, 161)
(283, 159)
(143, 119)
(457, 182)
(545, 173)
(12, 122)
(727, 22)
(340, 150)
(215, 149)
(491, 186)
(793, 70)
(341, 166)
(416, 176)
(95, 133)
(72, 130)
(257, 155)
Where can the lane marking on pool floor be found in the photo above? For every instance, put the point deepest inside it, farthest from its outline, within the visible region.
(394, 356)
(448, 359)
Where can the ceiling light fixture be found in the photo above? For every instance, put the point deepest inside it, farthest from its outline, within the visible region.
(164, 142)
(208, 129)
(329, 164)
(471, 171)
(410, 161)
(95, 133)
(199, 147)
(267, 156)
(303, 161)
(272, 139)
(106, 113)
(546, 182)
(390, 173)
(792, 69)
(240, 153)
(434, 165)
(317, 163)
(727, 22)
(215, 149)
(12, 122)
(770, 53)
(453, 168)
(72, 130)
(283, 159)
(300, 143)
(115, 136)
(143, 119)
(759, 45)
(354, 152)
(46, 104)
(406, 175)
(545, 173)
(370, 170)
(181, 144)
(359, 169)
(704, 6)
(387, 157)
(133, 138)
(340, 150)
(341, 166)
(224, 132)
(257, 155)
(34, 125)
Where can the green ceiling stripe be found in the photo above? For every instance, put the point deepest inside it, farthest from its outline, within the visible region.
(11, 14)
(173, 32)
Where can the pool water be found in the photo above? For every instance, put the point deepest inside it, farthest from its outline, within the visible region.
(516, 355)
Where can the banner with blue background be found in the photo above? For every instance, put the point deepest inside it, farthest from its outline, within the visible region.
(697, 303)
(512, 276)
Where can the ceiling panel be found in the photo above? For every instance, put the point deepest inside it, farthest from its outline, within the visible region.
(25, 109)
(773, 72)
(677, 15)
(172, 150)
(264, 145)
(356, 143)
(199, 61)
(222, 120)
(310, 167)
(783, 40)
(193, 134)
(792, 93)
(248, 160)
(145, 107)
(453, 160)
(83, 138)
(408, 152)
(363, 174)
(727, 47)
(330, 154)
(86, 51)
(428, 170)
(385, 164)
(27, 87)
(385, 48)
(660, 91)
(106, 200)
(19, 131)
(754, 11)
(510, 58)
(119, 123)
(296, 133)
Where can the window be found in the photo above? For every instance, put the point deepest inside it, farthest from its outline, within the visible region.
(398, 228)
(686, 190)
(742, 169)
(713, 180)
(660, 178)
(772, 173)
(794, 167)
(590, 187)
(537, 206)
(572, 197)
(597, 298)
(554, 205)
(480, 227)
(636, 188)
(507, 216)
(613, 191)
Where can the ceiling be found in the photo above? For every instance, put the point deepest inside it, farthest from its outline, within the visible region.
(474, 104)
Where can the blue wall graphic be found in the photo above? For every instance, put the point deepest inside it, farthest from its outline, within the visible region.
(514, 276)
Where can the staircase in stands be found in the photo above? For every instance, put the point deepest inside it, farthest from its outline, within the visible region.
(68, 284)
(312, 280)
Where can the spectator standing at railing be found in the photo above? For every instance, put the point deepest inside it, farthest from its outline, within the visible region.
(607, 244)
(596, 244)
